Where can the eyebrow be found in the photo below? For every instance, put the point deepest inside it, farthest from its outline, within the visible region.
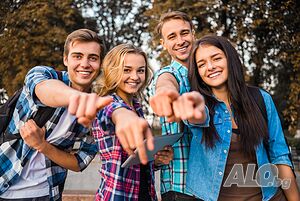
(131, 67)
(173, 33)
(210, 56)
(79, 53)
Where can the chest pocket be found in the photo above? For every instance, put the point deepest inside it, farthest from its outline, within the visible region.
(217, 118)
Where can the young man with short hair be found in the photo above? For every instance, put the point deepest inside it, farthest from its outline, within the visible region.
(177, 36)
(35, 167)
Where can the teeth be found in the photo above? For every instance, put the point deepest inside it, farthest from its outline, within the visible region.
(84, 72)
(132, 83)
(214, 74)
(181, 49)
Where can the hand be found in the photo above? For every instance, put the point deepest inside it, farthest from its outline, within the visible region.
(164, 156)
(85, 106)
(161, 103)
(33, 135)
(131, 134)
(190, 106)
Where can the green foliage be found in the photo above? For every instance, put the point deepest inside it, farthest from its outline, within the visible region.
(34, 33)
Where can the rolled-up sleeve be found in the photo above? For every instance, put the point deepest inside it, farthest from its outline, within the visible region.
(35, 76)
(277, 146)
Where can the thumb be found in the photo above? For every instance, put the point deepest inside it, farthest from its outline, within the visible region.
(103, 101)
(150, 139)
(173, 95)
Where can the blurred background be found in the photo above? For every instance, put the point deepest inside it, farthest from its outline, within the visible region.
(265, 32)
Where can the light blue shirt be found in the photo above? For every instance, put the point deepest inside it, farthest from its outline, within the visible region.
(207, 166)
(173, 175)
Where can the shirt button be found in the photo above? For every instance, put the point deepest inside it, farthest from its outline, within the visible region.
(220, 173)
(228, 131)
(226, 111)
(225, 151)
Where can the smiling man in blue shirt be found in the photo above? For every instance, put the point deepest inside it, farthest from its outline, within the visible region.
(35, 167)
(177, 36)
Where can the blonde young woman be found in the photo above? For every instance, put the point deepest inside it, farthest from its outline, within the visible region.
(125, 75)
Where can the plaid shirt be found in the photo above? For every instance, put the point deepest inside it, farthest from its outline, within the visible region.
(173, 175)
(15, 154)
(117, 183)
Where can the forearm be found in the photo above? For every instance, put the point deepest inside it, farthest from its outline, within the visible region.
(122, 115)
(166, 81)
(62, 158)
(291, 191)
(54, 93)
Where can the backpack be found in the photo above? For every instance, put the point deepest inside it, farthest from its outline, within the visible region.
(6, 114)
(259, 99)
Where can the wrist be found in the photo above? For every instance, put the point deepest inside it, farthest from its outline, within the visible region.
(42, 147)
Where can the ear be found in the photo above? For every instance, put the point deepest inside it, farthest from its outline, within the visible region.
(162, 42)
(65, 60)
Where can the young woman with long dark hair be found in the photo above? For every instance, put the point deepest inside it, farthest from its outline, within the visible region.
(232, 159)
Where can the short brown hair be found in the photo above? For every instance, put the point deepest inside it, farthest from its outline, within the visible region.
(84, 35)
(171, 16)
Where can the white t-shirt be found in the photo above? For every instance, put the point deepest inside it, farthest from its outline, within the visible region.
(33, 179)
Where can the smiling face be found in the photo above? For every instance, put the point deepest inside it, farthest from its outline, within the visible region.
(83, 63)
(212, 66)
(177, 39)
(134, 75)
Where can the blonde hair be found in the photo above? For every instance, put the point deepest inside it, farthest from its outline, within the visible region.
(113, 69)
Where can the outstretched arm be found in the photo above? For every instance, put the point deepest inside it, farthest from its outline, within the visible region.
(190, 106)
(167, 90)
(131, 130)
(83, 105)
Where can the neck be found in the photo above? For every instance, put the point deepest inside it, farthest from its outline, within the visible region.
(80, 88)
(221, 94)
(184, 63)
(127, 98)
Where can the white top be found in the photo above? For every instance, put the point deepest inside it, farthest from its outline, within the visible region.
(33, 178)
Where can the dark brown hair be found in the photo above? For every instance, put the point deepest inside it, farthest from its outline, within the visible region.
(250, 121)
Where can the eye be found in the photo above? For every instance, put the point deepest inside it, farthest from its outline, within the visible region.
(142, 70)
(126, 70)
(201, 65)
(93, 58)
(171, 37)
(184, 33)
(77, 56)
(217, 58)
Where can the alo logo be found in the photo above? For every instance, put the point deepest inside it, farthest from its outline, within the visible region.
(266, 176)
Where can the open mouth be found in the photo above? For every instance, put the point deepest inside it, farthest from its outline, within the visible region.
(134, 84)
(213, 75)
(84, 72)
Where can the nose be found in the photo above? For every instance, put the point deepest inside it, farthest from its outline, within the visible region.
(134, 75)
(180, 40)
(210, 65)
(85, 62)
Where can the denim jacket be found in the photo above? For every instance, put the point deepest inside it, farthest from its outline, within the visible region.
(207, 166)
